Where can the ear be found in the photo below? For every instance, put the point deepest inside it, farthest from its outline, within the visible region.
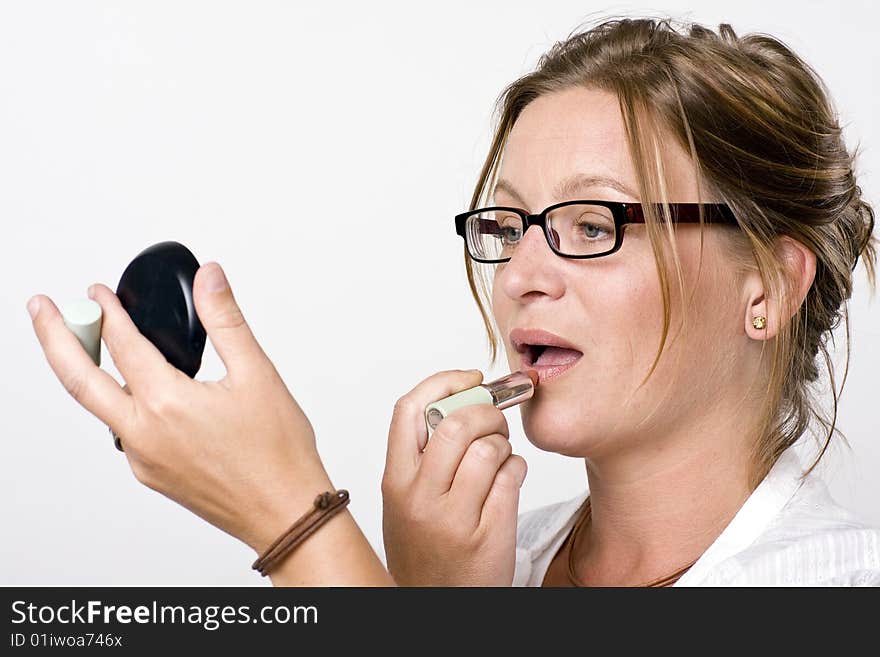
(799, 267)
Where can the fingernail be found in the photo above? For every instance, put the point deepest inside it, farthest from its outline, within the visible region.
(91, 292)
(216, 279)
(33, 306)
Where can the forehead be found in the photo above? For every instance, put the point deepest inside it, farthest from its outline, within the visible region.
(581, 131)
(580, 119)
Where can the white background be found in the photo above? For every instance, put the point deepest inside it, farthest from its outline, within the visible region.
(232, 127)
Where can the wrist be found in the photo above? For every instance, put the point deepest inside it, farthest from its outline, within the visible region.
(281, 505)
(336, 554)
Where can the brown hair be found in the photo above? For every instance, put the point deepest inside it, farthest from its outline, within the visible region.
(760, 128)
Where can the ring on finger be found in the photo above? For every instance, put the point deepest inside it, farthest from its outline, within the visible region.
(116, 440)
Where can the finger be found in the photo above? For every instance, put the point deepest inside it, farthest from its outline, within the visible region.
(224, 322)
(93, 388)
(141, 364)
(476, 474)
(451, 439)
(117, 439)
(408, 434)
(502, 502)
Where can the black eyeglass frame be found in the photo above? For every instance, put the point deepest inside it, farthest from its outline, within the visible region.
(623, 213)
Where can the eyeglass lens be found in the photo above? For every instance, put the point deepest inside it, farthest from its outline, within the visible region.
(578, 229)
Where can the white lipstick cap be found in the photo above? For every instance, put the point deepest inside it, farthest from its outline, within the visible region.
(83, 317)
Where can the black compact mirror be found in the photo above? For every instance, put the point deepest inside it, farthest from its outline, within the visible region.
(156, 289)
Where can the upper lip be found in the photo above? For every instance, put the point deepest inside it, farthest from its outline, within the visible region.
(523, 338)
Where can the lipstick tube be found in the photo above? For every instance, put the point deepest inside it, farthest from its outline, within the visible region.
(509, 390)
(84, 317)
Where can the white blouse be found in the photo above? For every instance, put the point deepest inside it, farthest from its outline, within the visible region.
(789, 532)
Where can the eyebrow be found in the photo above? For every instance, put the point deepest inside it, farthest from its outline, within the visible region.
(570, 186)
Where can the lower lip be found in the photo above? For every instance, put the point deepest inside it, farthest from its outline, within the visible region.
(548, 372)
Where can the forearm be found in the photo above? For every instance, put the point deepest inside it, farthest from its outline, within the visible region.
(336, 554)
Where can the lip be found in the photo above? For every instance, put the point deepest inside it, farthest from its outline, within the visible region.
(546, 372)
(520, 338)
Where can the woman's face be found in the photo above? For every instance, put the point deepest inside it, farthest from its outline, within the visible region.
(610, 308)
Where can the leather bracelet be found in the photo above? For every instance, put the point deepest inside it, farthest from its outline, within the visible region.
(326, 505)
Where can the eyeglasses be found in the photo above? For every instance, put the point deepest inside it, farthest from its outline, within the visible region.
(574, 229)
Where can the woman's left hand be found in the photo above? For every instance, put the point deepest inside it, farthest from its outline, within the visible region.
(238, 452)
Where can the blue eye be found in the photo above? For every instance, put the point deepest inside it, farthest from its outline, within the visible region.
(510, 233)
(599, 230)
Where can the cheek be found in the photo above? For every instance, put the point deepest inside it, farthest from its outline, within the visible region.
(625, 319)
(698, 345)
(500, 311)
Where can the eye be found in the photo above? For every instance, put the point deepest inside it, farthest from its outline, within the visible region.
(510, 233)
(592, 230)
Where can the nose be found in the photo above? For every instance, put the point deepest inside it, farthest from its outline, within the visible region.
(533, 267)
(533, 240)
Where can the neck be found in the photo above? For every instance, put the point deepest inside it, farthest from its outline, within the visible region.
(659, 508)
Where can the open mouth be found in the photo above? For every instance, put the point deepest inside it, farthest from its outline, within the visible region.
(549, 361)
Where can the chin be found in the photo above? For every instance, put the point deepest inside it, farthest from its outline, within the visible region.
(556, 431)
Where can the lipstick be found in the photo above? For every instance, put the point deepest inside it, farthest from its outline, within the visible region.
(509, 390)
(84, 317)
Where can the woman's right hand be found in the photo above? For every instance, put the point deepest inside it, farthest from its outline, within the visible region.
(450, 504)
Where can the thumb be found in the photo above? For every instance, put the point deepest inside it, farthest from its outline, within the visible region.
(502, 503)
(223, 320)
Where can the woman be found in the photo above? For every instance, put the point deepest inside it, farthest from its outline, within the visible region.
(680, 353)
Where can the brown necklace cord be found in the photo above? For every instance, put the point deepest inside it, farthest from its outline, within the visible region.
(326, 505)
(666, 580)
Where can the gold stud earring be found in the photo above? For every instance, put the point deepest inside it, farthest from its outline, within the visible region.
(759, 322)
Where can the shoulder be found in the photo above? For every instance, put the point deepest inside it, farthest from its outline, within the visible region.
(537, 527)
(812, 541)
(539, 533)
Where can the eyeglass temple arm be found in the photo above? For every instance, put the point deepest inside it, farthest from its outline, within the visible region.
(682, 212)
